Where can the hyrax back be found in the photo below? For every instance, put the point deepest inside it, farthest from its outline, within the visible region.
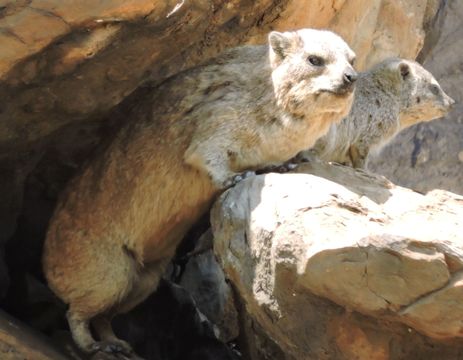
(393, 95)
(118, 223)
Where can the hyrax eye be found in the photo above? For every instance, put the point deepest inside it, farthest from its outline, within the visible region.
(435, 89)
(315, 60)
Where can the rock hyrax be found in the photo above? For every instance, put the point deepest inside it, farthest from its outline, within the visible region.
(392, 96)
(118, 224)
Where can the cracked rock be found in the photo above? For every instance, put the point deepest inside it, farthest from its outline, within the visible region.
(205, 281)
(291, 247)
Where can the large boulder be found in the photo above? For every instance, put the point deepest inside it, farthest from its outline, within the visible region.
(293, 245)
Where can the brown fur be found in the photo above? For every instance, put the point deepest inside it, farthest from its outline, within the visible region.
(118, 224)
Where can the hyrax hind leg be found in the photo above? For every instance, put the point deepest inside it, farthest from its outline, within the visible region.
(109, 342)
(113, 289)
(102, 282)
(79, 325)
(146, 281)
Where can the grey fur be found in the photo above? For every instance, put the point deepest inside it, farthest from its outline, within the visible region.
(392, 96)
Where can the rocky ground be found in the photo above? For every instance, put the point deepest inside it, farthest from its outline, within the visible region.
(69, 72)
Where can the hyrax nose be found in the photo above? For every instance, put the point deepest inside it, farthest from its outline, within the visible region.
(350, 76)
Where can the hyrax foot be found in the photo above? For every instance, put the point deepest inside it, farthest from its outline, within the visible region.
(237, 178)
(102, 355)
(102, 327)
(79, 325)
(112, 347)
(283, 168)
(289, 166)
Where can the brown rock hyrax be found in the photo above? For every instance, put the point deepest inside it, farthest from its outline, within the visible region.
(392, 96)
(118, 224)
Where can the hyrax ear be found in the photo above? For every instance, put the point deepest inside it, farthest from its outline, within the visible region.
(404, 70)
(280, 44)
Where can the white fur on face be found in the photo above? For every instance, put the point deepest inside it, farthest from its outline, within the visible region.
(305, 84)
(337, 56)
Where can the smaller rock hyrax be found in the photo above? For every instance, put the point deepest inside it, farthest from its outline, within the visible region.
(392, 96)
(117, 225)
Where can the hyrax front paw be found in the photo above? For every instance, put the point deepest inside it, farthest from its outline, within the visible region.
(237, 178)
(286, 167)
(283, 168)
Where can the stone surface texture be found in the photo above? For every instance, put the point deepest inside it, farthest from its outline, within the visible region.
(19, 342)
(204, 279)
(287, 241)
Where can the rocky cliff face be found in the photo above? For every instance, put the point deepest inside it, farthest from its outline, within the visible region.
(66, 62)
(293, 245)
(70, 70)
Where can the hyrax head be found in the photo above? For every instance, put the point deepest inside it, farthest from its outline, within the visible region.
(421, 97)
(312, 72)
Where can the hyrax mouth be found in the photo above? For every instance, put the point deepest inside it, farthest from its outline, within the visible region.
(342, 91)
